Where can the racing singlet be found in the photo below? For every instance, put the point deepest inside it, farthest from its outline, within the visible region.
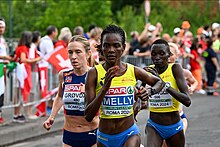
(73, 94)
(119, 99)
(163, 101)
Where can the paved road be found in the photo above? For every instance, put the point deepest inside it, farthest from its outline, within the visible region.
(203, 130)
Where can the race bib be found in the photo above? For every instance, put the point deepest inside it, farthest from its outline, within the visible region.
(118, 101)
(73, 97)
(162, 99)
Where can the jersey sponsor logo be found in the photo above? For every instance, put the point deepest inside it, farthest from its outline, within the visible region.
(120, 90)
(91, 133)
(131, 133)
(178, 128)
(126, 80)
(72, 88)
(166, 76)
(102, 81)
(68, 79)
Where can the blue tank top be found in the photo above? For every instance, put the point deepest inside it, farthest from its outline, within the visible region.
(73, 96)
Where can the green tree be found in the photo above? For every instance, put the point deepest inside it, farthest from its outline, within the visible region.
(38, 14)
(75, 13)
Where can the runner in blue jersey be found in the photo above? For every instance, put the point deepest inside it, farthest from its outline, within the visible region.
(77, 132)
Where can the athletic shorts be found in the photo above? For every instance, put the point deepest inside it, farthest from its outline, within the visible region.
(117, 140)
(166, 131)
(182, 115)
(84, 139)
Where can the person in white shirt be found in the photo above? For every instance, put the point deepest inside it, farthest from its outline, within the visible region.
(4, 59)
(46, 47)
(46, 43)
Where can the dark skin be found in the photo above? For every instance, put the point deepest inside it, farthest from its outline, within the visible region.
(159, 56)
(112, 50)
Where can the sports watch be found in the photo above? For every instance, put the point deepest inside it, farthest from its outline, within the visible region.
(167, 85)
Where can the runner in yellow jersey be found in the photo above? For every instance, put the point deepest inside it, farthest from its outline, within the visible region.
(110, 88)
(164, 122)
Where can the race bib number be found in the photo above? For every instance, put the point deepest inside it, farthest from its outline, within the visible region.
(118, 101)
(162, 99)
(73, 97)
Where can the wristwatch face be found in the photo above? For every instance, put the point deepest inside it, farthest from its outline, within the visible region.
(167, 85)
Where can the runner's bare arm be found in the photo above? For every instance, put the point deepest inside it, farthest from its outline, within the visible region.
(57, 104)
(183, 94)
(155, 82)
(191, 79)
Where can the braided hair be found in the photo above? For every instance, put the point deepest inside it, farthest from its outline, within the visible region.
(161, 41)
(113, 29)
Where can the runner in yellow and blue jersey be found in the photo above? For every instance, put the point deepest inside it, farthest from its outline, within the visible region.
(110, 89)
(164, 122)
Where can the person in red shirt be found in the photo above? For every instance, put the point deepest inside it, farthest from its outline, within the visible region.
(24, 79)
(196, 68)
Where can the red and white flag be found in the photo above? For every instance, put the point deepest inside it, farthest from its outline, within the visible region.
(23, 74)
(59, 58)
(43, 74)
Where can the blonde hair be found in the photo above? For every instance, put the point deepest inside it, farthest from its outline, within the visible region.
(86, 44)
(96, 32)
(65, 33)
(175, 47)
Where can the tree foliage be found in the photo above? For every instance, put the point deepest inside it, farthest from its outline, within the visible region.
(129, 14)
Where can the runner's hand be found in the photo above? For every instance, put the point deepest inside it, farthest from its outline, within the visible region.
(48, 123)
(143, 93)
(110, 74)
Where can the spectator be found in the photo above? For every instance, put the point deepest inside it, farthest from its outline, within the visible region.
(46, 47)
(142, 47)
(78, 30)
(207, 31)
(46, 43)
(94, 41)
(63, 38)
(185, 26)
(25, 80)
(166, 37)
(4, 59)
(134, 38)
(88, 34)
(216, 44)
(196, 67)
(33, 53)
(211, 67)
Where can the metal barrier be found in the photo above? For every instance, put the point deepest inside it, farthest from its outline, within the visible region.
(12, 90)
(137, 61)
(146, 61)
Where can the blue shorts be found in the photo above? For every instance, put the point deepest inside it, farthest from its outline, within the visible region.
(182, 115)
(166, 131)
(84, 139)
(117, 140)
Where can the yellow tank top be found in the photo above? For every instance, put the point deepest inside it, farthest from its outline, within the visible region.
(163, 101)
(119, 99)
